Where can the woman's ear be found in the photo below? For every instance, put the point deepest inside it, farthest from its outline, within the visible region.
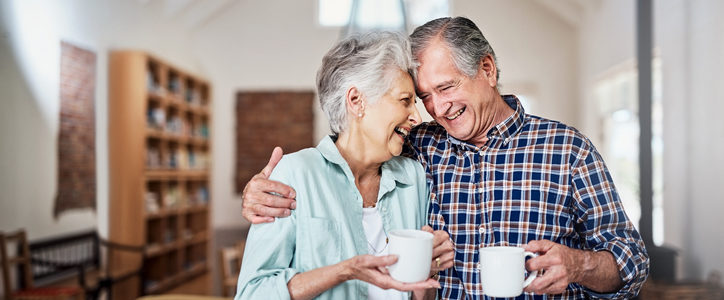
(355, 102)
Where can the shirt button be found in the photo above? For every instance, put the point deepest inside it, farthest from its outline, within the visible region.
(481, 230)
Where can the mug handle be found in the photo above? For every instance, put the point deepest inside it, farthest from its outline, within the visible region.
(533, 274)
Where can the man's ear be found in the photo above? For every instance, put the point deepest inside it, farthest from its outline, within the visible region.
(354, 101)
(488, 70)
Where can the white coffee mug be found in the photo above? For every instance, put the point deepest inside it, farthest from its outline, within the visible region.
(414, 255)
(502, 271)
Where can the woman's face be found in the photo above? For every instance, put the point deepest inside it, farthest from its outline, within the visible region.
(387, 122)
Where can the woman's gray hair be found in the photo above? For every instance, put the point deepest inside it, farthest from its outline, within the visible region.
(366, 62)
(462, 36)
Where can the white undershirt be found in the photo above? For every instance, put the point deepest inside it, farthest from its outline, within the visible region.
(377, 246)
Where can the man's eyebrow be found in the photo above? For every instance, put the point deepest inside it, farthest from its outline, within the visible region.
(446, 83)
(437, 87)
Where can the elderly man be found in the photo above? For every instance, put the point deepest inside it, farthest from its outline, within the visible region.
(499, 176)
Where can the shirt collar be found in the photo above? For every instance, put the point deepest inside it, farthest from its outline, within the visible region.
(390, 171)
(504, 130)
(511, 125)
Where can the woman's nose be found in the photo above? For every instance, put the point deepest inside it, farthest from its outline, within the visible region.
(415, 118)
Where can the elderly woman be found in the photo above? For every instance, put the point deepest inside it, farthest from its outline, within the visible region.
(351, 189)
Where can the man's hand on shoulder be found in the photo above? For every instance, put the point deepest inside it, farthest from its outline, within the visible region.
(264, 199)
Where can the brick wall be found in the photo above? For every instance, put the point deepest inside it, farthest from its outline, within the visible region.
(268, 119)
(76, 137)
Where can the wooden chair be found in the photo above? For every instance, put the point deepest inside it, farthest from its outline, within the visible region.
(77, 257)
(230, 265)
(111, 274)
(22, 258)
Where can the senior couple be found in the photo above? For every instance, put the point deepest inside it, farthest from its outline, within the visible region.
(484, 173)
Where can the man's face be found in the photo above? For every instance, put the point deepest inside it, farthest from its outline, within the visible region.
(461, 104)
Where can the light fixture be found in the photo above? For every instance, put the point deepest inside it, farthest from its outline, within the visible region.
(374, 15)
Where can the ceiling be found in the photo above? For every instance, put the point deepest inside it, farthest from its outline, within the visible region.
(570, 11)
(191, 13)
(195, 13)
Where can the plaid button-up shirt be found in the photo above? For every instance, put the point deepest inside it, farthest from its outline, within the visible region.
(534, 179)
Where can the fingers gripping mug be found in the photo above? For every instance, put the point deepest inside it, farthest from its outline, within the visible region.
(502, 271)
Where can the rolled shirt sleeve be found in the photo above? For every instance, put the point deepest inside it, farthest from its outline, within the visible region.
(604, 224)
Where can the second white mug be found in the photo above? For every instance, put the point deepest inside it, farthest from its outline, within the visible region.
(502, 271)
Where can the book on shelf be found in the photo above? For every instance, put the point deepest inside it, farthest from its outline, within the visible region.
(169, 235)
(202, 195)
(193, 96)
(174, 84)
(152, 202)
(183, 162)
(153, 158)
(187, 128)
(187, 234)
(204, 131)
(192, 158)
(198, 160)
(152, 83)
(171, 199)
(156, 118)
(174, 125)
(172, 160)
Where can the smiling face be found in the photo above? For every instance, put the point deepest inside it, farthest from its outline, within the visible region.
(463, 105)
(387, 122)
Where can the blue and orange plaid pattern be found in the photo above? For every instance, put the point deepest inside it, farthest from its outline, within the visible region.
(534, 179)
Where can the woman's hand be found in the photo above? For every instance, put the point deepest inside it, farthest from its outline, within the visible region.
(373, 270)
(443, 251)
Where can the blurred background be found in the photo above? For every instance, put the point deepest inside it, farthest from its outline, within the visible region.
(138, 121)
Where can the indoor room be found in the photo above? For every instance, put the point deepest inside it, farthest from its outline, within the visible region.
(129, 130)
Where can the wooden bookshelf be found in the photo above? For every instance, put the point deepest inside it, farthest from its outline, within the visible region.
(160, 161)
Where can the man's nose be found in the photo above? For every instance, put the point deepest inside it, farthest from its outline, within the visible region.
(441, 105)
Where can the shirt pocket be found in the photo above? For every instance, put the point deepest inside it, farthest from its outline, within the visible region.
(318, 243)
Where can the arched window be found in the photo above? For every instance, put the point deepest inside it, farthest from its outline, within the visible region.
(379, 14)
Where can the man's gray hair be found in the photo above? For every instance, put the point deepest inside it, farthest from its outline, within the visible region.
(462, 36)
(366, 62)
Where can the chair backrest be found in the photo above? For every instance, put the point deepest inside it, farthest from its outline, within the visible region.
(61, 256)
(21, 257)
(230, 264)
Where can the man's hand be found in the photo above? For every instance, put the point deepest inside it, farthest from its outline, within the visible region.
(258, 203)
(443, 251)
(562, 265)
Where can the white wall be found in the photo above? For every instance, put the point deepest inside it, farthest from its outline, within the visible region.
(606, 40)
(689, 37)
(537, 52)
(29, 85)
